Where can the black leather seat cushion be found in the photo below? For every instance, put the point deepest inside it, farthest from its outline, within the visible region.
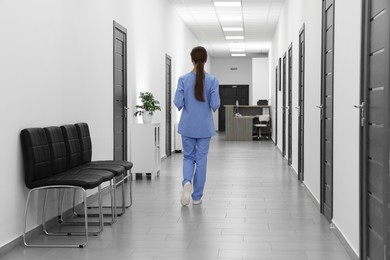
(116, 170)
(87, 180)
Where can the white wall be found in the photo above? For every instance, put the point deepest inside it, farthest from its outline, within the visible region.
(312, 14)
(221, 68)
(346, 94)
(56, 63)
(260, 79)
(346, 119)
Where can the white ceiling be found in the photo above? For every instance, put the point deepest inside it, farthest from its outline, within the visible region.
(258, 18)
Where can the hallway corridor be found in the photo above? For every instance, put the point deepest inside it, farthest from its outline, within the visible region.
(253, 208)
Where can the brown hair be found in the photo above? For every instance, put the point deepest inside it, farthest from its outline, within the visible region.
(199, 58)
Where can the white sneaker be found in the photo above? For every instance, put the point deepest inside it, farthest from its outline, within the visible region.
(186, 195)
(196, 202)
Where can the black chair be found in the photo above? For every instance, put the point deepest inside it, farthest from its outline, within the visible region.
(41, 174)
(75, 159)
(61, 162)
(86, 148)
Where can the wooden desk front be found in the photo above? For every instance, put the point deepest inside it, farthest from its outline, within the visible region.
(240, 128)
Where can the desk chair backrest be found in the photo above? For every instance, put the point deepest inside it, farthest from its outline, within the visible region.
(264, 118)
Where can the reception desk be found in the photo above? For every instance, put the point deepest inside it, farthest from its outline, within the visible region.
(240, 128)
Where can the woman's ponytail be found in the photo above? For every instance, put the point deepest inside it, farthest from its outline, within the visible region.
(199, 58)
(199, 81)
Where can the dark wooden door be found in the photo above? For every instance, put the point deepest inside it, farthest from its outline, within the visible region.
(279, 84)
(120, 92)
(230, 95)
(374, 149)
(284, 108)
(289, 110)
(301, 104)
(276, 103)
(168, 105)
(327, 109)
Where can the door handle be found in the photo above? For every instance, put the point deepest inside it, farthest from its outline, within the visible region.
(298, 107)
(125, 111)
(320, 106)
(361, 106)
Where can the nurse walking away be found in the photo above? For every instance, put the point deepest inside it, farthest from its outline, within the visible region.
(197, 94)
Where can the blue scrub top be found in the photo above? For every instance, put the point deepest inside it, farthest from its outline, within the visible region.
(197, 117)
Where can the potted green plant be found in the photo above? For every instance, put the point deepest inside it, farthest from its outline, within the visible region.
(148, 106)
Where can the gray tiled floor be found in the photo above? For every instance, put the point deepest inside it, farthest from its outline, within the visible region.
(253, 208)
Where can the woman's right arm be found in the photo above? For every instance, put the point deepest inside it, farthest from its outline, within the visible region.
(179, 95)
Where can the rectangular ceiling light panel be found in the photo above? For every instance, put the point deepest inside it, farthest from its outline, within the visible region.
(233, 29)
(234, 37)
(227, 4)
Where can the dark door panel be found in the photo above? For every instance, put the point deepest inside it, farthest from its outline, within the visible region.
(327, 109)
(289, 111)
(284, 89)
(120, 92)
(168, 105)
(276, 105)
(301, 103)
(374, 131)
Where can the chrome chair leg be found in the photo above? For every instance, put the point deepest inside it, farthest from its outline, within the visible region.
(44, 212)
(61, 197)
(77, 223)
(126, 177)
(86, 233)
(111, 207)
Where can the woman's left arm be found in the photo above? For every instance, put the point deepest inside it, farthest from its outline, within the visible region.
(215, 101)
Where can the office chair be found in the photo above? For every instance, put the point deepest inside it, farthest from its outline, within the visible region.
(264, 126)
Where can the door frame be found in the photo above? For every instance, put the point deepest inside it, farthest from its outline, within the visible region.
(301, 104)
(284, 106)
(276, 103)
(168, 106)
(289, 107)
(117, 26)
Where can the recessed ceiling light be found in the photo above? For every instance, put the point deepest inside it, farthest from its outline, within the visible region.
(237, 50)
(238, 54)
(227, 4)
(234, 37)
(230, 18)
(233, 29)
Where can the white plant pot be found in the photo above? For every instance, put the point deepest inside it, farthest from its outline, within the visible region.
(147, 118)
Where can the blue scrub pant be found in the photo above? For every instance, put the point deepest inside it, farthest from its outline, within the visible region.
(195, 152)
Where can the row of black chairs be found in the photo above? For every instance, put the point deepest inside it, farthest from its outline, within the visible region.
(60, 158)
